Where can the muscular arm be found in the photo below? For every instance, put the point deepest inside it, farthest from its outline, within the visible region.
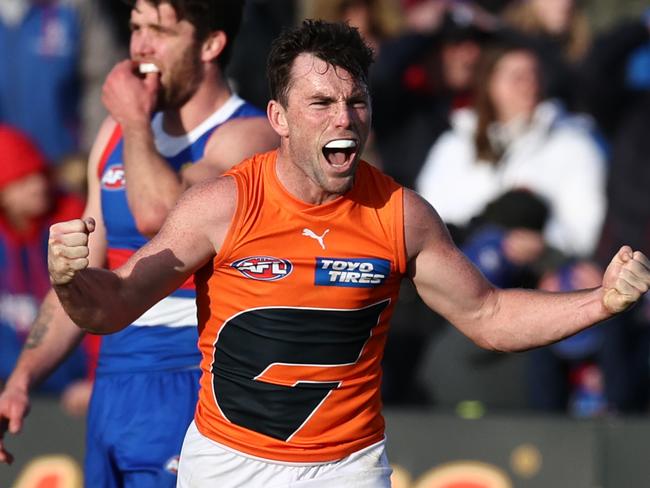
(103, 301)
(52, 337)
(512, 319)
(152, 186)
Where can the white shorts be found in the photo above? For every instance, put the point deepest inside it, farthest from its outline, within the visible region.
(207, 464)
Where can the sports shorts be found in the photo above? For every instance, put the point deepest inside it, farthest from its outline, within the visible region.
(207, 464)
(135, 428)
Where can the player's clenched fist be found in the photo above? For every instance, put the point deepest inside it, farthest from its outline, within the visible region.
(67, 250)
(627, 277)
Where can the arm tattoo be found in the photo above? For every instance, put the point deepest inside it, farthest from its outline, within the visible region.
(39, 327)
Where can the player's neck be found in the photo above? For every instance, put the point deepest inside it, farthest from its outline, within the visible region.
(298, 183)
(208, 98)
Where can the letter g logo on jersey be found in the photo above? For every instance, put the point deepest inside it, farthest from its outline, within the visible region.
(263, 268)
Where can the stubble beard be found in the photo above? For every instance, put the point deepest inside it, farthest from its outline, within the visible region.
(333, 185)
(184, 80)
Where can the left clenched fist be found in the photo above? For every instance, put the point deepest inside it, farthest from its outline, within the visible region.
(626, 279)
(67, 250)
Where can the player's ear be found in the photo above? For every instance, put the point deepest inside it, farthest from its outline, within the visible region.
(213, 45)
(278, 118)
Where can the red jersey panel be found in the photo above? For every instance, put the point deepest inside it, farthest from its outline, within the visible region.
(293, 317)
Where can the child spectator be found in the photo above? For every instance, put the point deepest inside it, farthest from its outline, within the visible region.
(29, 204)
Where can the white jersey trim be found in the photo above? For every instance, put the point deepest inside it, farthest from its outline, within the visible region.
(169, 146)
(170, 312)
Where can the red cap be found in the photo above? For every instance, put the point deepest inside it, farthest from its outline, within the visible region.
(19, 156)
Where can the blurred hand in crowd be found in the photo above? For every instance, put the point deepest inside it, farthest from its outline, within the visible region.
(523, 246)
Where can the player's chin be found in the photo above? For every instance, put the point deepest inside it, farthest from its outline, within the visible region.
(339, 184)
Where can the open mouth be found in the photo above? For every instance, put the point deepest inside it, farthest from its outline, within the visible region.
(340, 152)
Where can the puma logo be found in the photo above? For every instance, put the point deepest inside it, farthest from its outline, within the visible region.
(313, 235)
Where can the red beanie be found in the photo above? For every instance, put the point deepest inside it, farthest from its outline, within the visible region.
(19, 156)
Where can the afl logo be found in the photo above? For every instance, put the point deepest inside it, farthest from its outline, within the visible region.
(263, 268)
(113, 178)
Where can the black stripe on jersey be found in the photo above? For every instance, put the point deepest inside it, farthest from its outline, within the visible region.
(252, 341)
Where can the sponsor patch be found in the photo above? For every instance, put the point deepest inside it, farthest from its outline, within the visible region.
(113, 177)
(352, 272)
(263, 268)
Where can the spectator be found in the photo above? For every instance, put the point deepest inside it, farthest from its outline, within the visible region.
(29, 204)
(376, 20)
(505, 242)
(559, 21)
(607, 90)
(575, 375)
(514, 138)
(55, 54)
(560, 34)
(624, 111)
(430, 70)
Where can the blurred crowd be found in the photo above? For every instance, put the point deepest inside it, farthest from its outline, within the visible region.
(520, 122)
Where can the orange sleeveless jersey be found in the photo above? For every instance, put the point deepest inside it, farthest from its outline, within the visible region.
(293, 317)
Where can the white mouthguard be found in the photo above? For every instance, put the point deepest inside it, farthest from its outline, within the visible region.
(148, 68)
(341, 144)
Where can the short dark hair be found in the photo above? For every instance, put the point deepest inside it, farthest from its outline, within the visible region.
(209, 16)
(336, 43)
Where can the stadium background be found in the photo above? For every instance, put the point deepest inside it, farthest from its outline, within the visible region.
(428, 448)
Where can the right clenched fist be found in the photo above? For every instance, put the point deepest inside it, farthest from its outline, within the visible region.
(67, 250)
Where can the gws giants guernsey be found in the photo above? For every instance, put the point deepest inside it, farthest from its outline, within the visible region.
(293, 317)
(164, 337)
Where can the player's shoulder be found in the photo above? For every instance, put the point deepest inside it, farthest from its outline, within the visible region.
(220, 188)
(254, 132)
(252, 166)
(418, 212)
(214, 199)
(242, 124)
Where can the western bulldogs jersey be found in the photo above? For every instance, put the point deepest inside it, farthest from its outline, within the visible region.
(164, 337)
(293, 317)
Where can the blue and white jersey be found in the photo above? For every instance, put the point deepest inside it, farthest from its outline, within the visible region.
(164, 337)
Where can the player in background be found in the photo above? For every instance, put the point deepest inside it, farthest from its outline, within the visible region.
(173, 121)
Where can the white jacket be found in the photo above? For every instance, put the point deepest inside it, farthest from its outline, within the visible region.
(555, 156)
